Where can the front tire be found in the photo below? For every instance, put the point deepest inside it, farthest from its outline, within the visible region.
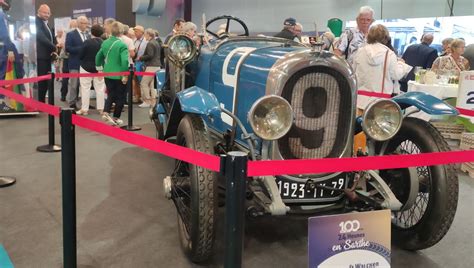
(195, 193)
(428, 220)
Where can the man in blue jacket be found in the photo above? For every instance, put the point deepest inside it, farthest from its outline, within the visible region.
(418, 55)
(74, 44)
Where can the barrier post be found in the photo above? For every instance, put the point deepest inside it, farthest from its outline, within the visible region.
(130, 126)
(68, 169)
(50, 147)
(234, 168)
(6, 181)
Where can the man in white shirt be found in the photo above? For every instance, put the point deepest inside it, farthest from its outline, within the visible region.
(352, 39)
(129, 43)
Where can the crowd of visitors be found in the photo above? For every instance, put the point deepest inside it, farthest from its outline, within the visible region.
(114, 47)
(111, 47)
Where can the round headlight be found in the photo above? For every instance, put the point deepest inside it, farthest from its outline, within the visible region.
(382, 119)
(271, 117)
(181, 50)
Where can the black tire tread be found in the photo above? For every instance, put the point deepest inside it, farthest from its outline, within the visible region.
(202, 248)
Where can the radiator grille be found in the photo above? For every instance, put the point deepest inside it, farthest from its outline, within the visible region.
(321, 101)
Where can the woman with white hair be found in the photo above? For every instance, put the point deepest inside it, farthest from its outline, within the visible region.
(189, 29)
(113, 57)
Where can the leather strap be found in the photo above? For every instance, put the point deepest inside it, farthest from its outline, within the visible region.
(384, 71)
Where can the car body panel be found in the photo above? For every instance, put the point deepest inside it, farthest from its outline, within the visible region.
(426, 103)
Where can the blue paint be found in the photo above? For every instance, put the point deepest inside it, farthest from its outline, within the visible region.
(5, 261)
(160, 79)
(252, 79)
(425, 102)
(198, 101)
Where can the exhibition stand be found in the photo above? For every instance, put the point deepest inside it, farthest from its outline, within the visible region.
(234, 166)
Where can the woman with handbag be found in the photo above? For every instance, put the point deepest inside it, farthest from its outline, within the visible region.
(377, 69)
(113, 57)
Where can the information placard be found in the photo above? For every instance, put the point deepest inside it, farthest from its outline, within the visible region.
(466, 94)
(353, 240)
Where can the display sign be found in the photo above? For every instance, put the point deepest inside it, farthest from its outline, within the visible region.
(354, 240)
(466, 93)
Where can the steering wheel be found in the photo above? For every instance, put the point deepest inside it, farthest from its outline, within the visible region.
(226, 33)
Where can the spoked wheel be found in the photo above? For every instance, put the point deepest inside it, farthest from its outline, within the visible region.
(194, 193)
(425, 222)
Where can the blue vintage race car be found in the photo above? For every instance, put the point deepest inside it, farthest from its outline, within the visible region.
(277, 99)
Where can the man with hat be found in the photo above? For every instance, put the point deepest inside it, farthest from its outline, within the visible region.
(290, 30)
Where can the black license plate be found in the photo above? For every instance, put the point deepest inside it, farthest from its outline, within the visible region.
(298, 190)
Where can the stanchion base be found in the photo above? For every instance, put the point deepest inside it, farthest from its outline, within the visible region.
(48, 148)
(6, 181)
(131, 128)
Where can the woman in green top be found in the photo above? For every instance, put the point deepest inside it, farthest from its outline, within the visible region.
(113, 57)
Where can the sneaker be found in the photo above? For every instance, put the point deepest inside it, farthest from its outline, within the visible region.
(107, 118)
(144, 105)
(118, 121)
(82, 112)
(101, 111)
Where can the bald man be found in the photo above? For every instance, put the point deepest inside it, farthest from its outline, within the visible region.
(45, 47)
(418, 55)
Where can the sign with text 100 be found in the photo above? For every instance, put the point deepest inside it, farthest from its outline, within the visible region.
(353, 240)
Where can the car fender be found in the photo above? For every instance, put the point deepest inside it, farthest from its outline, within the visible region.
(193, 100)
(198, 101)
(425, 102)
(160, 79)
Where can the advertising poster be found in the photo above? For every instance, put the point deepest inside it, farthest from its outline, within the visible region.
(354, 240)
(95, 10)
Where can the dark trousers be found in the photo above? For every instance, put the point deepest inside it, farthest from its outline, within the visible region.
(116, 92)
(44, 67)
(65, 81)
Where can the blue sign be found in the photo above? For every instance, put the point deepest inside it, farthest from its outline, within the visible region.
(354, 240)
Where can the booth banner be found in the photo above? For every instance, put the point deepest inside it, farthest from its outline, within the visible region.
(466, 94)
(350, 240)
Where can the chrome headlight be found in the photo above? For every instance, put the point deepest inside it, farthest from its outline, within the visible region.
(181, 50)
(382, 119)
(271, 117)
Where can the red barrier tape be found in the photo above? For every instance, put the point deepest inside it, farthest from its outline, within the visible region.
(374, 94)
(36, 105)
(465, 112)
(278, 167)
(78, 75)
(258, 168)
(24, 80)
(145, 74)
(207, 161)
